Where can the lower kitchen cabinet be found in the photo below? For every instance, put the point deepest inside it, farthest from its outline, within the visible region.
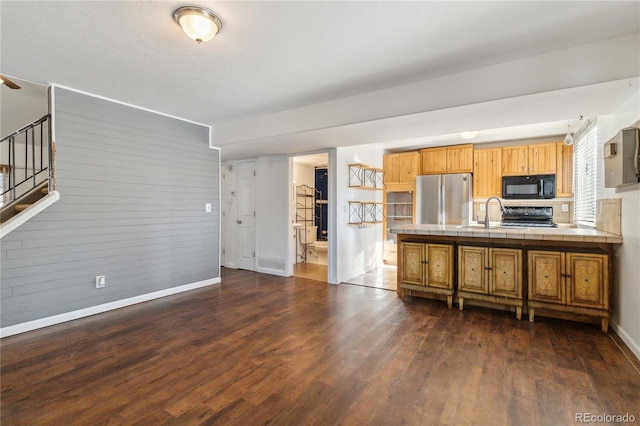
(491, 275)
(427, 268)
(571, 282)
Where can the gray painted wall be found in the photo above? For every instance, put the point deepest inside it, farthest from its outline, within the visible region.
(133, 188)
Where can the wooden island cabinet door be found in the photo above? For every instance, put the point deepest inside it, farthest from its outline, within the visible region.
(412, 266)
(439, 265)
(587, 283)
(505, 273)
(472, 272)
(546, 280)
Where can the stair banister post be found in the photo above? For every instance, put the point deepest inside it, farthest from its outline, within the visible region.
(33, 155)
(41, 146)
(50, 150)
(12, 145)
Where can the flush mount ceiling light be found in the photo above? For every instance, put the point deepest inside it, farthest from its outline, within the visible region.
(197, 22)
(470, 135)
(568, 140)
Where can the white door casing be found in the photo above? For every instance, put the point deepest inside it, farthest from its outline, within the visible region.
(245, 222)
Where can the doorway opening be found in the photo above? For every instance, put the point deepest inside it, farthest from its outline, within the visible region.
(309, 212)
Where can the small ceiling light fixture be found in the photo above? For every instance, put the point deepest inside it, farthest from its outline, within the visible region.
(568, 140)
(197, 22)
(470, 135)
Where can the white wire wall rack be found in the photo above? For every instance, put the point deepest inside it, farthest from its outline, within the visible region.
(365, 177)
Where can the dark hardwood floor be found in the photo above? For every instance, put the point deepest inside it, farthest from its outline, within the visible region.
(261, 349)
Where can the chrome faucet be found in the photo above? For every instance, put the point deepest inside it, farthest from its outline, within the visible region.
(486, 210)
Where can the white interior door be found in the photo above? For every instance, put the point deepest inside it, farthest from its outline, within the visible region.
(245, 222)
(229, 214)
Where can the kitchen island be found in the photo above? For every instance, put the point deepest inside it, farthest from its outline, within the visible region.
(566, 272)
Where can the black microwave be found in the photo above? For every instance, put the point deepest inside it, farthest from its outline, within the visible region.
(529, 187)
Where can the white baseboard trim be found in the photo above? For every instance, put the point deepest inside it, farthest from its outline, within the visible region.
(628, 340)
(86, 312)
(278, 272)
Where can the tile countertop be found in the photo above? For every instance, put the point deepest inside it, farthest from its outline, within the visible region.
(553, 234)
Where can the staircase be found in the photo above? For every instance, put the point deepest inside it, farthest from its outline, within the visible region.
(26, 169)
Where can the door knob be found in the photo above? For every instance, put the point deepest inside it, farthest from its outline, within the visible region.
(238, 221)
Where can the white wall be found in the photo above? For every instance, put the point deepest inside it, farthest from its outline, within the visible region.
(304, 175)
(272, 192)
(28, 103)
(626, 292)
(358, 250)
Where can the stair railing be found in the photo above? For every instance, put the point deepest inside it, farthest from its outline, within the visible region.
(30, 151)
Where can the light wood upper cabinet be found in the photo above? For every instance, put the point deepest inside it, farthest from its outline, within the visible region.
(564, 170)
(542, 159)
(460, 159)
(451, 159)
(402, 167)
(514, 160)
(538, 159)
(487, 172)
(434, 161)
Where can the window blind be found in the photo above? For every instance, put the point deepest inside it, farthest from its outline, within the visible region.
(585, 175)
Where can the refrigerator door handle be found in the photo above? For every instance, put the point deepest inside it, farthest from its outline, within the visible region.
(441, 210)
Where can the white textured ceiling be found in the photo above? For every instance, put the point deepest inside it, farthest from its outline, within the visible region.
(278, 56)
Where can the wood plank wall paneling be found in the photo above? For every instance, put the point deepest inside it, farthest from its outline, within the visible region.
(133, 188)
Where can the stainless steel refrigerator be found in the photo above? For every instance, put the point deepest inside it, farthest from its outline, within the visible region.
(444, 199)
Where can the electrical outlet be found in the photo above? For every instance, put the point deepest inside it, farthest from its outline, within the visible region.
(565, 208)
(482, 207)
(207, 207)
(101, 281)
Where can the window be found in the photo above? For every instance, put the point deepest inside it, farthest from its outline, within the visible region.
(585, 174)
